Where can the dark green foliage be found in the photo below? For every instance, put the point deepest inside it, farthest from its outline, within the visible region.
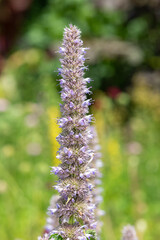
(138, 26)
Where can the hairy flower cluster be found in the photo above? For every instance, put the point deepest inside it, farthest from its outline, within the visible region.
(74, 208)
(129, 233)
(52, 221)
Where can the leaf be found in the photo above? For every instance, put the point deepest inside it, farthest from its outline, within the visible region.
(92, 233)
(56, 236)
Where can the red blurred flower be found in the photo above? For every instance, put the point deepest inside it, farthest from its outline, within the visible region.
(113, 92)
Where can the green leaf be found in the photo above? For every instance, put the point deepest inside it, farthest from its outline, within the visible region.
(92, 233)
(56, 236)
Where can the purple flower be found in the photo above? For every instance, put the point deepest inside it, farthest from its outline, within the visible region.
(77, 136)
(90, 186)
(90, 173)
(56, 170)
(58, 188)
(94, 225)
(57, 205)
(68, 152)
(82, 122)
(82, 238)
(86, 103)
(59, 71)
(53, 210)
(83, 149)
(71, 105)
(80, 160)
(61, 50)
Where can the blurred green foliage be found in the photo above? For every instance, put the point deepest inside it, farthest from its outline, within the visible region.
(137, 26)
(124, 64)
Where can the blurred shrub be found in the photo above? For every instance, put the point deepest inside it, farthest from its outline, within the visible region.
(128, 39)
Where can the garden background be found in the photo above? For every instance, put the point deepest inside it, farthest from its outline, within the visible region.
(124, 62)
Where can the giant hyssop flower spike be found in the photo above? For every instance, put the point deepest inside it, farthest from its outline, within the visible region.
(74, 209)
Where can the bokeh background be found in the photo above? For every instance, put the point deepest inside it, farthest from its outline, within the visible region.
(124, 62)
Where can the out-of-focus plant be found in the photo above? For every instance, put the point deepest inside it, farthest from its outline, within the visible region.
(129, 233)
(146, 96)
(97, 181)
(119, 36)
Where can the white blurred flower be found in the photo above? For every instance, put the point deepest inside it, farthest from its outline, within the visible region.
(31, 120)
(141, 225)
(4, 103)
(3, 186)
(134, 148)
(34, 149)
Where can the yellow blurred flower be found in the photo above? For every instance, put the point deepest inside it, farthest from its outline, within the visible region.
(113, 148)
(8, 150)
(8, 87)
(54, 131)
(146, 97)
(141, 225)
(114, 153)
(3, 186)
(30, 56)
(24, 167)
